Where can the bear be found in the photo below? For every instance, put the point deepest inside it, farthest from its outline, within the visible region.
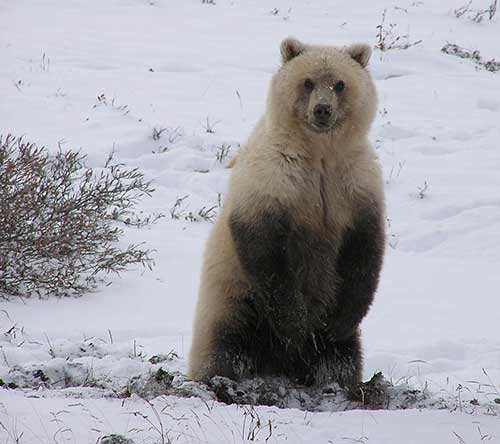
(293, 261)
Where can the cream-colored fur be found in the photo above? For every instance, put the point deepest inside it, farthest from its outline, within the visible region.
(321, 178)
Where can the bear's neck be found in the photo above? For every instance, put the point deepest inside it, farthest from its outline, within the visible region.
(314, 147)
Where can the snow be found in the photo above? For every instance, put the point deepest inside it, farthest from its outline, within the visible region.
(176, 63)
(193, 422)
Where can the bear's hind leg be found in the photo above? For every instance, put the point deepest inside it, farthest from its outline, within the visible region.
(342, 364)
(225, 346)
(231, 354)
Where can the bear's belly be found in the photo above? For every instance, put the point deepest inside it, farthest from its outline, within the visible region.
(308, 303)
(313, 256)
(281, 356)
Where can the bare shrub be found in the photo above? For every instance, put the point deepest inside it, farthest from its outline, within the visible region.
(477, 15)
(388, 37)
(474, 55)
(58, 220)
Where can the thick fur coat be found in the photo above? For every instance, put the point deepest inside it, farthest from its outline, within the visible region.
(293, 261)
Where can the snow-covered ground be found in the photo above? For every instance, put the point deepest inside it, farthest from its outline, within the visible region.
(185, 66)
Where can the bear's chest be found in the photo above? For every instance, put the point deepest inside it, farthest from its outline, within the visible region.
(328, 202)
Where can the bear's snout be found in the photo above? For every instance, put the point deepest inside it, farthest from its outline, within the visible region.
(322, 113)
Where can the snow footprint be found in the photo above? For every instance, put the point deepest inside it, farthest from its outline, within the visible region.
(450, 211)
(393, 132)
(429, 150)
(488, 103)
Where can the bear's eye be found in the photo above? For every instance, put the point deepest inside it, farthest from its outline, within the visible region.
(308, 84)
(339, 86)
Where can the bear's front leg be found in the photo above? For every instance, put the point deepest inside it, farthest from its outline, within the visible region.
(359, 263)
(336, 362)
(266, 253)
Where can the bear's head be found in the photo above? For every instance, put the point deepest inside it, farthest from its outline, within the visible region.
(323, 89)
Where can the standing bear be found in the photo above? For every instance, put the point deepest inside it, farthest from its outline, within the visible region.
(294, 258)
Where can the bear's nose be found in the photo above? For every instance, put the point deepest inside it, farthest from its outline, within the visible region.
(322, 112)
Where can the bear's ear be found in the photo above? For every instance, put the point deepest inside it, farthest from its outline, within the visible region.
(361, 52)
(291, 48)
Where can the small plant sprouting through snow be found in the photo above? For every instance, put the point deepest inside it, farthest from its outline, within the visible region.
(10, 426)
(155, 424)
(172, 134)
(210, 126)
(253, 425)
(392, 239)
(18, 84)
(239, 100)
(222, 152)
(388, 38)
(276, 11)
(103, 101)
(45, 63)
(157, 133)
(395, 172)
(459, 12)
(459, 438)
(178, 211)
(493, 394)
(207, 214)
(423, 190)
(477, 15)
(12, 331)
(134, 219)
(63, 432)
(474, 55)
(59, 234)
